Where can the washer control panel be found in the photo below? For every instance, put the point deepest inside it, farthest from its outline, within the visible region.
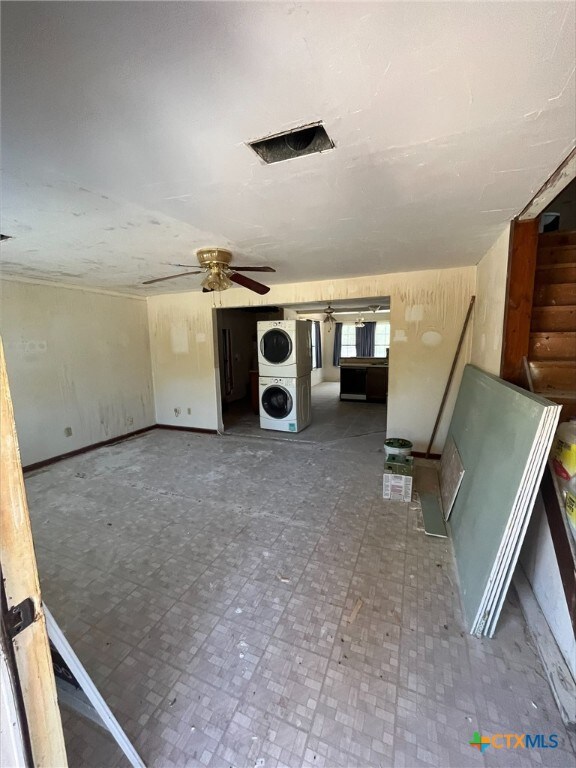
(267, 381)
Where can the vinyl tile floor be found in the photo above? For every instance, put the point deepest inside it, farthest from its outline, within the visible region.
(340, 425)
(210, 586)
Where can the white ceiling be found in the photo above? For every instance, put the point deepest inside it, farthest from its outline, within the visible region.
(125, 129)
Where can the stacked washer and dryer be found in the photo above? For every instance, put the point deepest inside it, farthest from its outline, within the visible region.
(284, 368)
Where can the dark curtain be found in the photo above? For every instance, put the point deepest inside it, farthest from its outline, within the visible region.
(318, 343)
(365, 340)
(337, 344)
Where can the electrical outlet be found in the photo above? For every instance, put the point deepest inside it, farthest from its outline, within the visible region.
(177, 411)
(67, 431)
(129, 421)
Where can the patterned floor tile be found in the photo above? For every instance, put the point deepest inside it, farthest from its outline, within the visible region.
(324, 583)
(309, 625)
(287, 683)
(218, 613)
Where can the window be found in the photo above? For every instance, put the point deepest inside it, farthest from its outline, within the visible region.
(348, 346)
(381, 339)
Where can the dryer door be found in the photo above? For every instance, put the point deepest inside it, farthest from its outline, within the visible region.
(277, 402)
(276, 346)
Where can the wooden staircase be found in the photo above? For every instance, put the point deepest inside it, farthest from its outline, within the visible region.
(552, 348)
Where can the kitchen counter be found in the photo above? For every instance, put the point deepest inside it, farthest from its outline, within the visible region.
(364, 379)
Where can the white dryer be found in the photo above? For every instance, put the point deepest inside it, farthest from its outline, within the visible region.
(284, 348)
(285, 403)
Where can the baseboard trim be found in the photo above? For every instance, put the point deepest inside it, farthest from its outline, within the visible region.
(422, 455)
(85, 449)
(188, 429)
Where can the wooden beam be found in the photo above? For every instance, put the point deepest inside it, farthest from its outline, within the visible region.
(18, 563)
(520, 294)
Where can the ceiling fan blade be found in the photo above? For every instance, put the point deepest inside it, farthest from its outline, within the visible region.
(247, 282)
(170, 277)
(252, 269)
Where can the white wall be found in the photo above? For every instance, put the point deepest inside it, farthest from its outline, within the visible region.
(427, 312)
(488, 317)
(331, 372)
(539, 562)
(76, 359)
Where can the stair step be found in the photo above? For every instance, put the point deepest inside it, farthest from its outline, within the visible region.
(559, 345)
(556, 273)
(566, 399)
(555, 294)
(550, 239)
(553, 376)
(557, 254)
(553, 318)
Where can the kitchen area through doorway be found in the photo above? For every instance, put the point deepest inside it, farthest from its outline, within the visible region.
(349, 377)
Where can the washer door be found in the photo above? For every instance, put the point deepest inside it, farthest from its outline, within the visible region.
(276, 346)
(277, 402)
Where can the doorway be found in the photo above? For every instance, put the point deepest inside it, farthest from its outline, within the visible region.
(238, 360)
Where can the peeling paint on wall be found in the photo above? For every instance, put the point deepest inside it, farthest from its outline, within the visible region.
(76, 360)
(179, 339)
(431, 339)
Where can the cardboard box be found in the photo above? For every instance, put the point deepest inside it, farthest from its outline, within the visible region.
(398, 478)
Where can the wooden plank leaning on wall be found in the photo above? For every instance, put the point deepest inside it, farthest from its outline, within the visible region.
(18, 561)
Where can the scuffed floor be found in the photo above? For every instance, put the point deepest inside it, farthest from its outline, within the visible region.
(208, 585)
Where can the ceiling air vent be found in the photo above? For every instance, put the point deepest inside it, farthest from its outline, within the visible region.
(307, 140)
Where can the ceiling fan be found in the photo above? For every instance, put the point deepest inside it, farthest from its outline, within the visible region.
(329, 316)
(215, 263)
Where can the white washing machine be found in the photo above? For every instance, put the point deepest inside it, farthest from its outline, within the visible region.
(284, 348)
(285, 403)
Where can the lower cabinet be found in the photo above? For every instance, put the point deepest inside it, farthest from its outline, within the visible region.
(377, 384)
(364, 383)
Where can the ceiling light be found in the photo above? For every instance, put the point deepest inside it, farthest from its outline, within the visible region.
(217, 280)
(329, 316)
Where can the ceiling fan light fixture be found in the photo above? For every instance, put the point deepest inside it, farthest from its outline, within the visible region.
(209, 256)
(217, 280)
(329, 317)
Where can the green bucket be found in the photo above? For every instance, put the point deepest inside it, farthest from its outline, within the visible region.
(398, 446)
